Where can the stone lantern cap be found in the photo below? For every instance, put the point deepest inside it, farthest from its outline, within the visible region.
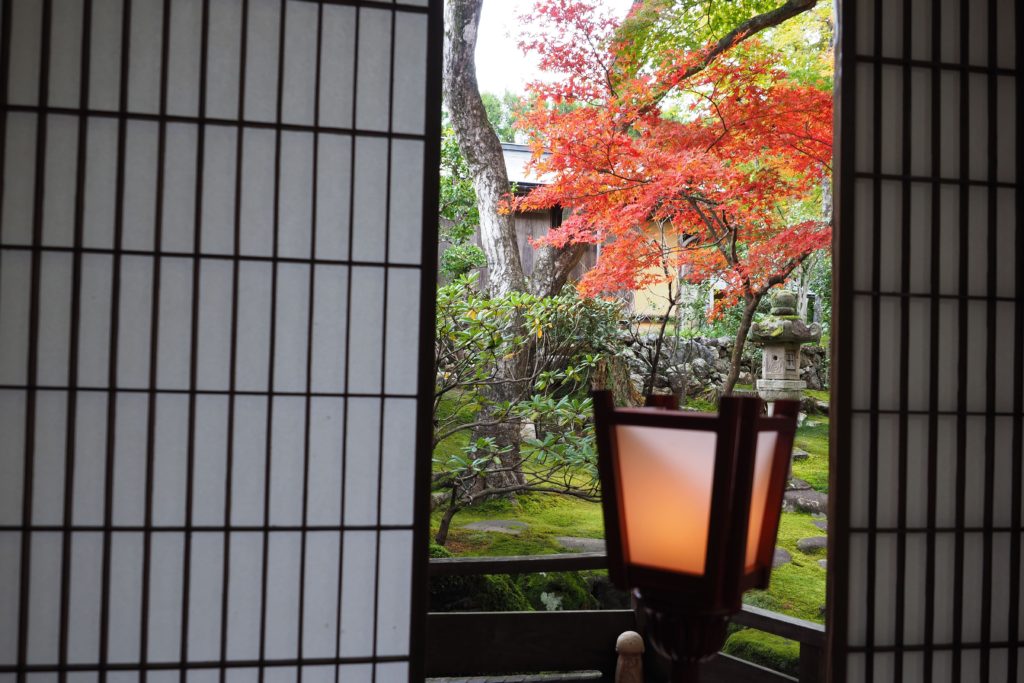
(784, 327)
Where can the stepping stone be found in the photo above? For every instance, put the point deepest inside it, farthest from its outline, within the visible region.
(812, 544)
(800, 454)
(583, 545)
(500, 526)
(805, 501)
(797, 484)
(781, 557)
(823, 564)
(821, 524)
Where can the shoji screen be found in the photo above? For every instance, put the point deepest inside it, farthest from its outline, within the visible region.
(926, 533)
(216, 256)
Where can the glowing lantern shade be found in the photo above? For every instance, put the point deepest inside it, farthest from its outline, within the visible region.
(691, 508)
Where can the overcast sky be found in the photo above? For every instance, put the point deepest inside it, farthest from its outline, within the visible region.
(500, 65)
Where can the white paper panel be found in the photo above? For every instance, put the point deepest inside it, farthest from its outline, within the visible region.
(401, 345)
(94, 320)
(337, 54)
(179, 188)
(19, 179)
(261, 60)
(330, 321)
(218, 216)
(213, 344)
(59, 200)
(165, 591)
(286, 470)
(362, 453)
(394, 592)
(295, 213)
(247, 483)
(140, 184)
(55, 291)
(257, 193)
(65, 53)
(334, 161)
(324, 482)
(100, 184)
(244, 605)
(282, 610)
(320, 606)
(129, 483)
(357, 593)
(134, 322)
(290, 327)
(175, 330)
(300, 47)
(90, 458)
(44, 594)
(105, 54)
(84, 604)
(205, 594)
(12, 426)
(410, 74)
(50, 453)
(369, 224)
(183, 58)
(10, 573)
(23, 84)
(253, 341)
(373, 89)
(170, 460)
(397, 476)
(406, 208)
(125, 603)
(211, 448)
(145, 46)
(366, 339)
(223, 59)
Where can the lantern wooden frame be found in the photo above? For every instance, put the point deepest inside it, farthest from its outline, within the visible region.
(737, 426)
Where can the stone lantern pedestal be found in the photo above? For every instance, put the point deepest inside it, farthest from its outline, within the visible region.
(781, 337)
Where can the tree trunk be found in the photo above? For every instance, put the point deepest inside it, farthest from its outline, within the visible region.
(446, 520)
(480, 146)
(751, 302)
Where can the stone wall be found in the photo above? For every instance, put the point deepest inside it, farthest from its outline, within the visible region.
(699, 365)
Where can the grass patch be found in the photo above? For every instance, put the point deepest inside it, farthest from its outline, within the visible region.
(819, 394)
(548, 515)
(814, 440)
(797, 588)
(765, 649)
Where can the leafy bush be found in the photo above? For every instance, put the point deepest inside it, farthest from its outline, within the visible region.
(553, 591)
(474, 593)
(508, 360)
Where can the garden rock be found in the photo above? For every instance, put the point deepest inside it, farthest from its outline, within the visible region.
(821, 524)
(812, 544)
(823, 564)
(583, 545)
(781, 557)
(805, 501)
(797, 484)
(439, 499)
(500, 526)
(800, 454)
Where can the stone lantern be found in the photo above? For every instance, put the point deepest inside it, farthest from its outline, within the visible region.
(781, 337)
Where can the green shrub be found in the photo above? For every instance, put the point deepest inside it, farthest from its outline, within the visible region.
(766, 650)
(557, 591)
(474, 593)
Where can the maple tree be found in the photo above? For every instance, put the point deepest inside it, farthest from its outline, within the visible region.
(702, 162)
